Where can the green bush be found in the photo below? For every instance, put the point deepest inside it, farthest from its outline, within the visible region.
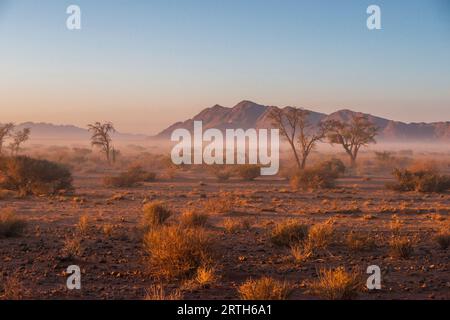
(33, 176)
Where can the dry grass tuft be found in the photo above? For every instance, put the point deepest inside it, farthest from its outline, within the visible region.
(265, 288)
(443, 238)
(155, 214)
(302, 252)
(223, 204)
(288, 233)
(190, 218)
(233, 225)
(336, 284)
(401, 247)
(395, 225)
(72, 247)
(108, 229)
(321, 235)
(206, 276)
(83, 224)
(11, 288)
(10, 225)
(359, 242)
(177, 252)
(157, 292)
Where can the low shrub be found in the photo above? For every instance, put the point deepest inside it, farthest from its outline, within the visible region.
(130, 178)
(10, 224)
(289, 233)
(33, 176)
(248, 172)
(420, 181)
(321, 176)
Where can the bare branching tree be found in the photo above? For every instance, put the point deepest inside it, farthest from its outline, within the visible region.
(294, 125)
(309, 136)
(101, 137)
(18, 138)
(5, 132)
(359, 132)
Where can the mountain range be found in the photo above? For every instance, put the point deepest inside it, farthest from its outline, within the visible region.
(48, 132)
(247, 114)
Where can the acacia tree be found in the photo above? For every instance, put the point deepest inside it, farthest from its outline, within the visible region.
(5, 131)
(359, 132)
(101, 137)
(293, 123)
(19, 137)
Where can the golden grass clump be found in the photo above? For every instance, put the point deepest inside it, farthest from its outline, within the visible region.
(205, 275)
(224, 204)
(10, 224)
(359, 241)
(401, 247)
(11, 288)
(157, 292)
(177, 252)
(154, 214)
(233, 225)
(190, 218)
(72, 247)
(265, 288)
(83, 224)
(396, 224)
(301, 252)
(322, 234)
(336, 284)
(288, 233)
(108, 229)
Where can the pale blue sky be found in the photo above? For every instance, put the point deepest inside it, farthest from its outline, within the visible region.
(145, 64)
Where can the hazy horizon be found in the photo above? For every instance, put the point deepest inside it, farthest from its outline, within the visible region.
(146, 64)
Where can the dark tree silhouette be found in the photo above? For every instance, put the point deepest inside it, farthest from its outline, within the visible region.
(301, 135)
(5, 132)
(101, 137)
(359, 132)
(19, 137)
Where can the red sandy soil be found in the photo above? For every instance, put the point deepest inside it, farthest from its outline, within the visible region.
(116, 266)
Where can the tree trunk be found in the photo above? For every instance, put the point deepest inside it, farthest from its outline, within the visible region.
(297, 159)
(353, 161)
(303, 165)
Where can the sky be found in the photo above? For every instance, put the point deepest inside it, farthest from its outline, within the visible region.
(144, 64)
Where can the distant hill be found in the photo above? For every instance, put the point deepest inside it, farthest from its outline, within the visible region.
(247, 114)
(47, 132)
